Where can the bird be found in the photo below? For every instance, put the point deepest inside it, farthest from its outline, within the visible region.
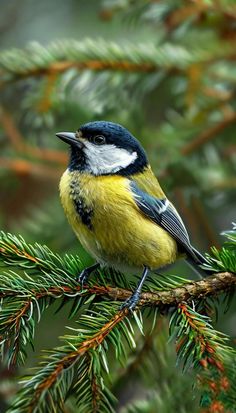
(117, 208)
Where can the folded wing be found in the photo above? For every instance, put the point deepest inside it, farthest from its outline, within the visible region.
(163, 213)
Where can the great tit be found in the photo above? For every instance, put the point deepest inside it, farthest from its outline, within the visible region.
(116, 206)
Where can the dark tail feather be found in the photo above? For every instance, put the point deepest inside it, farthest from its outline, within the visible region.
(195, 260)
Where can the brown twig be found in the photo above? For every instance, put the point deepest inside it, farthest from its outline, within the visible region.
(96, 65)
(18, 143)
(199, 289)
(13, 324)
(180, 14)
(69, 359)
(208, 135)
(27, 168)
(46, 101)
(193, 290)
(44, 154)
(210, 286)
(12, 132)
(210, 358)
(96, 394)
(228, 183)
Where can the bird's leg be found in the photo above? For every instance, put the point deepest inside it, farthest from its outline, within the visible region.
(83, 276)
(133, 299)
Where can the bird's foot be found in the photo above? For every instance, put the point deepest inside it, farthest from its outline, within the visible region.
(131, 302)
(82, 278)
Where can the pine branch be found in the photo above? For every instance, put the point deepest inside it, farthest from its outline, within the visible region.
(61, 56)
(52, 383)
(48, 276)
(210, 287)
(168, 11)
(72, 368)
(199, 346)
(25, 298)
(17, 253)
(204, 343)
(69, 75)
(24, 305)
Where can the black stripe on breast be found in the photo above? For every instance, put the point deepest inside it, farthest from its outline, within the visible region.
(82, 209)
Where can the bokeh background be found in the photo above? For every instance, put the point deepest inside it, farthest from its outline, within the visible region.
(164, 69)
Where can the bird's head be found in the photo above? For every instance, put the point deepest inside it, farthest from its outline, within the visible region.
(104, 148)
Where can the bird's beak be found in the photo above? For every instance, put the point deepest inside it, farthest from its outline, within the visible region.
(70, 138)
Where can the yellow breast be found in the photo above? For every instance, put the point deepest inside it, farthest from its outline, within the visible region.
(119, 235)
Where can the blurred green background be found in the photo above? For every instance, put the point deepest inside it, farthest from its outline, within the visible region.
(166, 71)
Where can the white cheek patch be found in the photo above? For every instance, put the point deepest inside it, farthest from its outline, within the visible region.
(107, 159)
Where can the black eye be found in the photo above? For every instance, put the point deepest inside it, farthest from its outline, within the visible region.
(98, 139)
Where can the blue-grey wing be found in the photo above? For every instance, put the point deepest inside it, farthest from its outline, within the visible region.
(163, 213)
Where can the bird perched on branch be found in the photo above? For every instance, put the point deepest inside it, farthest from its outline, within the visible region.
(117, 207)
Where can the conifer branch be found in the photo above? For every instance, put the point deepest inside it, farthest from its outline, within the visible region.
(206, 346)
(191, 61)
(70, 358)
(208, 135)
(24, 298)
(61, 56)
(199, 346)
(209, 287)
(72, 368)
(16, 252)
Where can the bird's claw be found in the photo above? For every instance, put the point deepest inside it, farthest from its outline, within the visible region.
(131, 302)
(83, 277)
